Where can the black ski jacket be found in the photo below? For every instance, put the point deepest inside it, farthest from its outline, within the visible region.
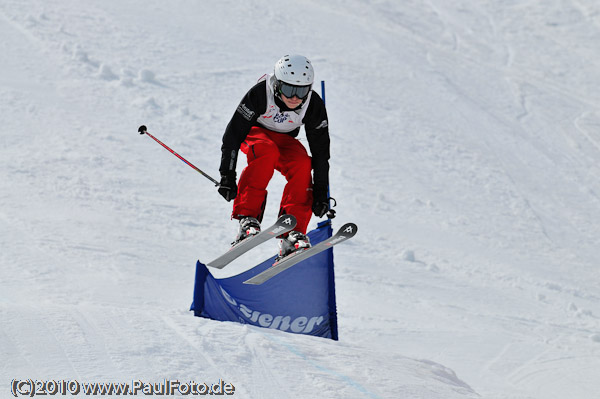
(253, 105)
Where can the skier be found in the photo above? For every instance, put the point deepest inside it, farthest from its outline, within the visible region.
(264, 127)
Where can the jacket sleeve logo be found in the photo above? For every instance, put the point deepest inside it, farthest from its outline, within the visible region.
(323, 124)
(246, 112)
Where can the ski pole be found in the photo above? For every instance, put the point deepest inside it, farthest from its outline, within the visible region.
(143, 130)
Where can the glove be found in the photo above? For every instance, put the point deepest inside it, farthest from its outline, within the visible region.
(228, 187)
(320, 204)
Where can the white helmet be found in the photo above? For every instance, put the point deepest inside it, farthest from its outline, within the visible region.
(295, 70)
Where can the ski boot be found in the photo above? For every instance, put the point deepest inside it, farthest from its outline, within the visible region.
(249, 227)
(294, 241)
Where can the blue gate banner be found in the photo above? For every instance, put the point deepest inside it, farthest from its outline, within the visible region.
(299, 300)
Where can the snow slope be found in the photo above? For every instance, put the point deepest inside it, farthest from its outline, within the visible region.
(465, 144)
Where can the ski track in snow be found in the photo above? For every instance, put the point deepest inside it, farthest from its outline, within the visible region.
(465, 144)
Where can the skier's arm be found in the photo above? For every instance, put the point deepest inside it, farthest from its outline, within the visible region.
(317, 133)
(252, 105)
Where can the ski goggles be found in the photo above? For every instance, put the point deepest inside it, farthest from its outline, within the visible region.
(290, 91)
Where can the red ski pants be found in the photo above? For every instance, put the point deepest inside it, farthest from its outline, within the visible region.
(268, 151)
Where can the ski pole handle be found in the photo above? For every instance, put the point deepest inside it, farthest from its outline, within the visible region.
(143, 130)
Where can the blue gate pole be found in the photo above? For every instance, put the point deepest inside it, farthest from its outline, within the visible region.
(328, 190)
(332, 301)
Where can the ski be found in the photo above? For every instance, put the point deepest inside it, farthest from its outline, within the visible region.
(345, 232)
(284, 224)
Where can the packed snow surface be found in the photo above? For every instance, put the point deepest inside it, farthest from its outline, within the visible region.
(465, 145)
